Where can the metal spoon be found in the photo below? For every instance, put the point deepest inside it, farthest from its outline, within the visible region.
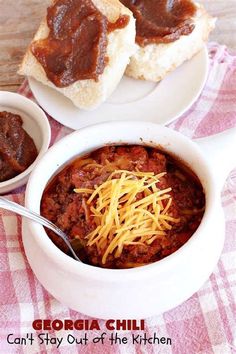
(19, 209)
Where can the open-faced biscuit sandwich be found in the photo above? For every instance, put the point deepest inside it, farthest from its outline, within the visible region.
(81, 49)
(168, 32)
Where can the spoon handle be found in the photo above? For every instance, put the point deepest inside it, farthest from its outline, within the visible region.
(19, 209)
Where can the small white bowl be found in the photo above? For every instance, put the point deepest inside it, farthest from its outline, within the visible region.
(35, 123)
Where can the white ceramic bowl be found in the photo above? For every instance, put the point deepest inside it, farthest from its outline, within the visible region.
(138, 292)
(35, 124)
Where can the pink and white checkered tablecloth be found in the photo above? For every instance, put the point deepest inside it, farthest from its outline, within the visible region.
(206, 323)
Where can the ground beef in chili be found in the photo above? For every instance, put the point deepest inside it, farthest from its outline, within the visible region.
(69, 210)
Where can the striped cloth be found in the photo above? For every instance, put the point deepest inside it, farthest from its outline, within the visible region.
(204, 324)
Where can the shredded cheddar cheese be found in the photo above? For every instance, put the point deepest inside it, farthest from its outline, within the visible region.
(128, 209)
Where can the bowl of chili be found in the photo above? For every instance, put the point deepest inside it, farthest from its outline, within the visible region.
(143, 202)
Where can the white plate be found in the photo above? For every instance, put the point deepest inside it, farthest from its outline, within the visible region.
(133, 99)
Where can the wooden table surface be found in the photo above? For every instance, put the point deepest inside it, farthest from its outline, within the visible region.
(19, 20)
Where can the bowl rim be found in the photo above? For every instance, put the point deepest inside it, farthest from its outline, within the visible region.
(40, 117)
(66, 262)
